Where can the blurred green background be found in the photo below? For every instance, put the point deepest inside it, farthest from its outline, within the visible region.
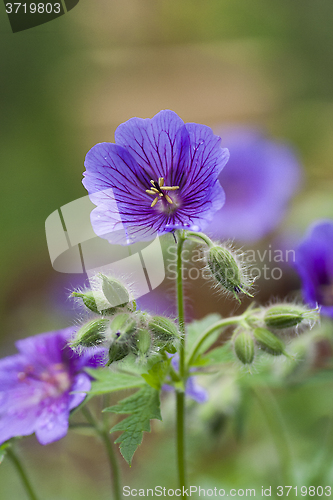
(67, 85)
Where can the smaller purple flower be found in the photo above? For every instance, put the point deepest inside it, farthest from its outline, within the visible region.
(192, 389)
(37, 385)
(314, 263)
(259, 180)
(161, 174)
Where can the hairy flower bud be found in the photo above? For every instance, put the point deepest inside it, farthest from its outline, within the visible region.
(244, 348)
(288, 315)
(226, 270)
(163, 328)
(91, 334)
(165, 333)
(269, 342)
(115, 293)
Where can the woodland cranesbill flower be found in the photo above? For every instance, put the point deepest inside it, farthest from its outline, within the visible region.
(36, 386)
(314, 263)
(161, 174)
(259, 180)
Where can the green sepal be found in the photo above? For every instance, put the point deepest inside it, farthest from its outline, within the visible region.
(142, 406)
(163, 328)
(115, 293)
(269, 342)
(91, 334)
(226, 270)
(244, 347)
(89, 300)
(288, 315)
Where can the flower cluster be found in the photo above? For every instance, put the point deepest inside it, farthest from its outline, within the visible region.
(262, 329)
(121, 329)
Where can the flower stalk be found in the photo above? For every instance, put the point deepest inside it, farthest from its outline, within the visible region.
(22, 473)
(103, 433)
(180, 396)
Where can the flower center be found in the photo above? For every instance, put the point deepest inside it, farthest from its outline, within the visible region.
(158, 190)
(55, 379)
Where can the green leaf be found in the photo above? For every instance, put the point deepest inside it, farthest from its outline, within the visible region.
(142, 407)
(156, 375)
(197, 328)
(219, 355)
(109, 381)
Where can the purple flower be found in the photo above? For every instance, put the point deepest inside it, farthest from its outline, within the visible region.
(259, 180)
(314, 263)
(161, 174)
(36, 386)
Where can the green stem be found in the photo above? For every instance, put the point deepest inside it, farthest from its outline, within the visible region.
(180, 304)
(181, 438)
(22, 473)
(104, 435)
(180, 396)
(202, 236)
(220, 324)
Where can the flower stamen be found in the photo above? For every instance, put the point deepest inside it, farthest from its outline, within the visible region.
(157, 191)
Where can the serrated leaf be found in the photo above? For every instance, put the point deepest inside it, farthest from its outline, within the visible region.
(109, 381)
(142, 407)
(156, 375)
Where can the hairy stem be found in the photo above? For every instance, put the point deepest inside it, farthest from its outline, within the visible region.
(104, 435)
(180, 396)
(22, 473)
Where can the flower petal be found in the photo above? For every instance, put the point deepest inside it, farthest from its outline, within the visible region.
(52, 423)
(157, 144)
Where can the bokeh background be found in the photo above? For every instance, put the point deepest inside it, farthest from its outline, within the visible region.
(65, 86)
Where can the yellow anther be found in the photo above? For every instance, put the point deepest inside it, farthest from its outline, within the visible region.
(158, 189)
(169, 188)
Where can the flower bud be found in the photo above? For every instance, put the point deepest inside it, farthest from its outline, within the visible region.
(91, 334)
(165, 333)
(244, 348)
(115, 293)
(269, 342)
(226, 270)
(288, 315)
(163, 328)
(89, 299)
